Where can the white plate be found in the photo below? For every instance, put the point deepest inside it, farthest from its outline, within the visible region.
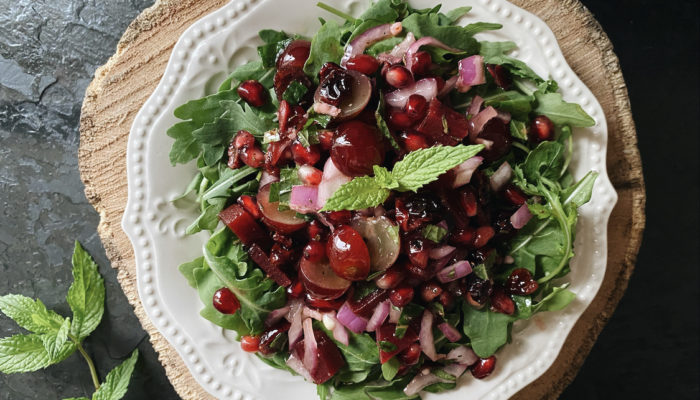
(201, 59)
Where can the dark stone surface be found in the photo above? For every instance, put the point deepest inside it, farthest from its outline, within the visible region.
(48, 53)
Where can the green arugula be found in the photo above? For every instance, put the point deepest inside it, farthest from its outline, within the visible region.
(560, 112)
(55, 338)
(495, 53)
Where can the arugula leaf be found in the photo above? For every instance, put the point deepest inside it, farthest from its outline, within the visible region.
(423, 166)
(358, 194)
(494, 53)
(560, 112)
(516, 103)
(545, 161)
(185, 148)
(518, 129)
(209, 218)
(580, 193)
(453, 16)
(26, 353)
(86, 295)
(30, 314)
(556, 300)
(454, 36)
(325, 47)
(487, 330)
(382, 11)
(205, 109)
(117, 381)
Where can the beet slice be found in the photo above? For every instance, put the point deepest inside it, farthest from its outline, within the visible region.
(273, 271)
(269, 336)
(443, 124)
(390, 345)
(329, 358)
(365, 306)
(244, 226)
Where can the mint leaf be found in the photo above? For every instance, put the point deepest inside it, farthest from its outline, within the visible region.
(423, 166)
(86, 295)
(384, 178)
(390, 368)
(56, 344)
(358, 194)
(117, 381)
(381, 124)
(560, 112)
(294, 92)
(434, 233)
(26, 353)
(30, 314)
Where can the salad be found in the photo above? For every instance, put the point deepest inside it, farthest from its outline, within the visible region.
(394, 195)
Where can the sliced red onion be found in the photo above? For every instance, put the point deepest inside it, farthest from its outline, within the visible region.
(440, 263)
(394, 314)
(521, 217)
(266, 178)
(476, 124)
(310, 346)
(396, 54)
(508, 260)
(339, 332)
(450, 332)
(312, 313)
(379, 316)
(368, 38)
(322, 218)
(295, 329)
(425, 41)
(455, 370)
(298, 366)
(304, 199)
(487, 143)
(449, 85)
(425, 336)
(475, 105)
(441, 252)
(327, 109)
(464, 171)
(420, 382)
(275, 315)
(471, 73)
(463, 355)
(426, 87)
(351, 320)
(501, 177)
(330, 182)
(504, 116)
(455, 271)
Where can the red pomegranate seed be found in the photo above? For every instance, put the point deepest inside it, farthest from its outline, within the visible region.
(326, 140)
(520, 282)
(463, 237)
(324, 304)
(253, 93)
(501, 302)
(398, 76)
(429, 291)
(402, 216)
(467, 197)
(421, 63)
(401, 295)
(327, 68)
(251, 205)
(306, 155)
(296, 289)
(243, 139)
(500, 75)
(340, 217)
(541, 129)
(316, 230)
(400, 119)
(482, 236)
(413, 141)
(225, 301)
(446, 299)
(363, 63)
(514, 195)
(411, 355)
(473, 302)
(250, 343)
(391, 278)
(315, 251)
(483, 367)
(418, 252)
(309, 175)
(252, 157)
(416, 107)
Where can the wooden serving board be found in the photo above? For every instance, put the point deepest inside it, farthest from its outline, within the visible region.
(122, 86)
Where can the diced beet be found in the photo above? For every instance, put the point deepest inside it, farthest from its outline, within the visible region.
(329, 358)
(260, 258)
(385, 333)
(364, 307)
(244, 226)
(270, 335)
(443, 124)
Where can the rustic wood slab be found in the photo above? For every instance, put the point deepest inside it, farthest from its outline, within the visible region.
(122, 86)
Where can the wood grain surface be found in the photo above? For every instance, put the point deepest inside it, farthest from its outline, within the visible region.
(122, 86)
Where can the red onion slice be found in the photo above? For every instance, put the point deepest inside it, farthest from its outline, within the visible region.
(425, 336)
(275, 315)
(455, 271)
(351, 320)
(475, 105)
(476, 124)
(396, 54)
(450, 332)
(501, 177)
(455, 370)
(449, 85)
(441, 252)
(464, 171)
(266, 178)
(425, 41)
(426, 87)
(304, 199)
(394, 314)
(521, 217)
(330, 182)
(419, 382)
(471, 73)
(379, 315)
(339, 332)
(312, 313)
(463, 355)
(310, 346)
(295, 329)
(368, 38)
(298, 366)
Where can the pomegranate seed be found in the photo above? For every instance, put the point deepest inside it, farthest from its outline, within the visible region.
(429, 291)
(252, 157)
(285, 241)
(253, 93)
(421, 63)
(305, 155)
(463, 237)
(326, 140)
(316, 230)
(472, 302)
(467, 197)
(413, 141)
(401, 295)
(225, 301)
(401, 214)
(267, 338)
(500, 75)
(251, 205)
(391, 278)
(309, 175)
(398, 76)
(416, 107)
(446, 299)
(501, 302)
(520, 282)
(483, 235)
(400, 119)
(483, 367)
(478, 291)
(324, 304)
(411, 355)
(541, 129)
(514, 195)
(315, 251)
(296, 289)
(250, 343)
(243, 139)
(363, 63)
(340, 217)
(418, 252)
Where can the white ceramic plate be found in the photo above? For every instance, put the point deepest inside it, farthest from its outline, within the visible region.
(201, 59)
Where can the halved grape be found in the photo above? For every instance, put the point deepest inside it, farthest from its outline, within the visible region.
(284, 222)
(352, 104)
(320, 280)
(382, 237)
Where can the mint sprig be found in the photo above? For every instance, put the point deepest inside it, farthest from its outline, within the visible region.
(54, 338)
(416, 170)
